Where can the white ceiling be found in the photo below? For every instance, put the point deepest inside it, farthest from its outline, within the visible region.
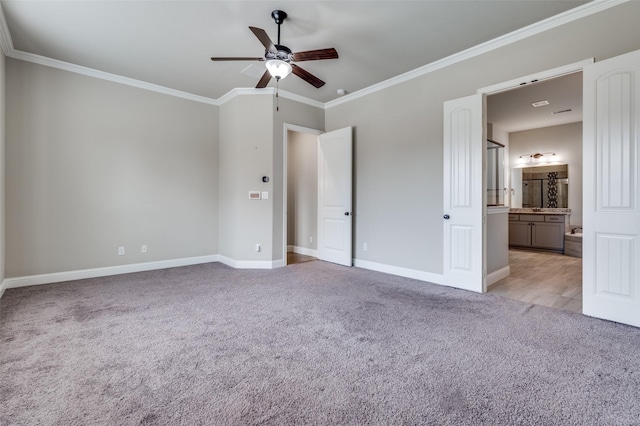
(512, 111)
(169, 43)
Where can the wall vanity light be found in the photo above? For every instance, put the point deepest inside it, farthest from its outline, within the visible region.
(538, 159)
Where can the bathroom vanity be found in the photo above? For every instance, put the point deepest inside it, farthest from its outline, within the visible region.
(542, 229)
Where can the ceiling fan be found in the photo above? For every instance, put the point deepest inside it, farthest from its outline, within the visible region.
(279, 58)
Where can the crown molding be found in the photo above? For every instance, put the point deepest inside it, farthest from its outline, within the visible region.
(301, 99)
(579, 12)
(78, 69)
(239, 91)
(585, 10)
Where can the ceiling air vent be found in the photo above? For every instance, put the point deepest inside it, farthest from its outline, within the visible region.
(561, 111)
(539, 103)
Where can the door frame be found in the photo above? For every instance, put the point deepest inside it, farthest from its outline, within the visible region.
(510, 85)
(285, 175)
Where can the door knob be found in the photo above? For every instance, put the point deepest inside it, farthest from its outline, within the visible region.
(347, 213)
(446, 217)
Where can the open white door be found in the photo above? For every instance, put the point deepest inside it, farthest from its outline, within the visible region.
(611, 243)
(334, 196)
(464, 203)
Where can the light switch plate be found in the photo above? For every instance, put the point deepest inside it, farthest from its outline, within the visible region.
(265, 195)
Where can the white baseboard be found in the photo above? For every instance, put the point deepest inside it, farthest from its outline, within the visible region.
(496, 276)
(302, 250)
(104, 272)
(3, 287)
(402, 272)
(305, 251)
(250, 264)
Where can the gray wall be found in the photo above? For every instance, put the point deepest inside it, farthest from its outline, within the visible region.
(398, 134)
(302, 190)
(565, 141)
(251, 146)
(246, 146)
(92, 165)
(497, 240)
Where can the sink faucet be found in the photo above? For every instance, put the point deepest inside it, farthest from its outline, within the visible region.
(573, 230)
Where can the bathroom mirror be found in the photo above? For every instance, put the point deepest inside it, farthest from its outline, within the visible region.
(495, 174)
(540, 187)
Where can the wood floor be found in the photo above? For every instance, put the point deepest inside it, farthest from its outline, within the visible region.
(298, 258)
(541, 278)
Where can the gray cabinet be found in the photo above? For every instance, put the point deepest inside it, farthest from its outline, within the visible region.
(537, 231)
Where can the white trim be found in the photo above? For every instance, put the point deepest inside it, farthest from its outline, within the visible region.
(66, 66)
(305, 251)
(497, 210)
(238, 91)
(5, 36)
(302, 129)
(3, 287)
(535, 78)
(496, 276)
(105, 272)
(401, 272)
(250, 264)
(579, 12)
(271, 91)
(301, 99)
(289, 249)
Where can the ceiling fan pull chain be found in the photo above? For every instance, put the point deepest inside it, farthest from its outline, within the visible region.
(277, 97)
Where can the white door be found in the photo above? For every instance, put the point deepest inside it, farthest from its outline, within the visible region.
(464, 200)
(611, 231)
(334, 196)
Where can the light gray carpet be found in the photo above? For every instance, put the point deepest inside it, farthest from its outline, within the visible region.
(313, 343)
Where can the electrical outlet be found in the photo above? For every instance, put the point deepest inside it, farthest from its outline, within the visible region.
(121, 251)
(143, 249)
(257, 247)
(365, 247)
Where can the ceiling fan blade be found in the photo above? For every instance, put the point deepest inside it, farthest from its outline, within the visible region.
(239, 58)
(264, 80)
(264, 38)
(315, 55)
(307, 76)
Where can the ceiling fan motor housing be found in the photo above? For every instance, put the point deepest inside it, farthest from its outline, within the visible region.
(283, 53)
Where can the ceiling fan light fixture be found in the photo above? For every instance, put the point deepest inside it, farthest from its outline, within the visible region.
(278, 69)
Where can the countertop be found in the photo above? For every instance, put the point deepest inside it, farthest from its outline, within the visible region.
(540, 211)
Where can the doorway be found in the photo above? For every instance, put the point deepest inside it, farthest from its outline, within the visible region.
(301, 194)
(542, 119)
(317, 194)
